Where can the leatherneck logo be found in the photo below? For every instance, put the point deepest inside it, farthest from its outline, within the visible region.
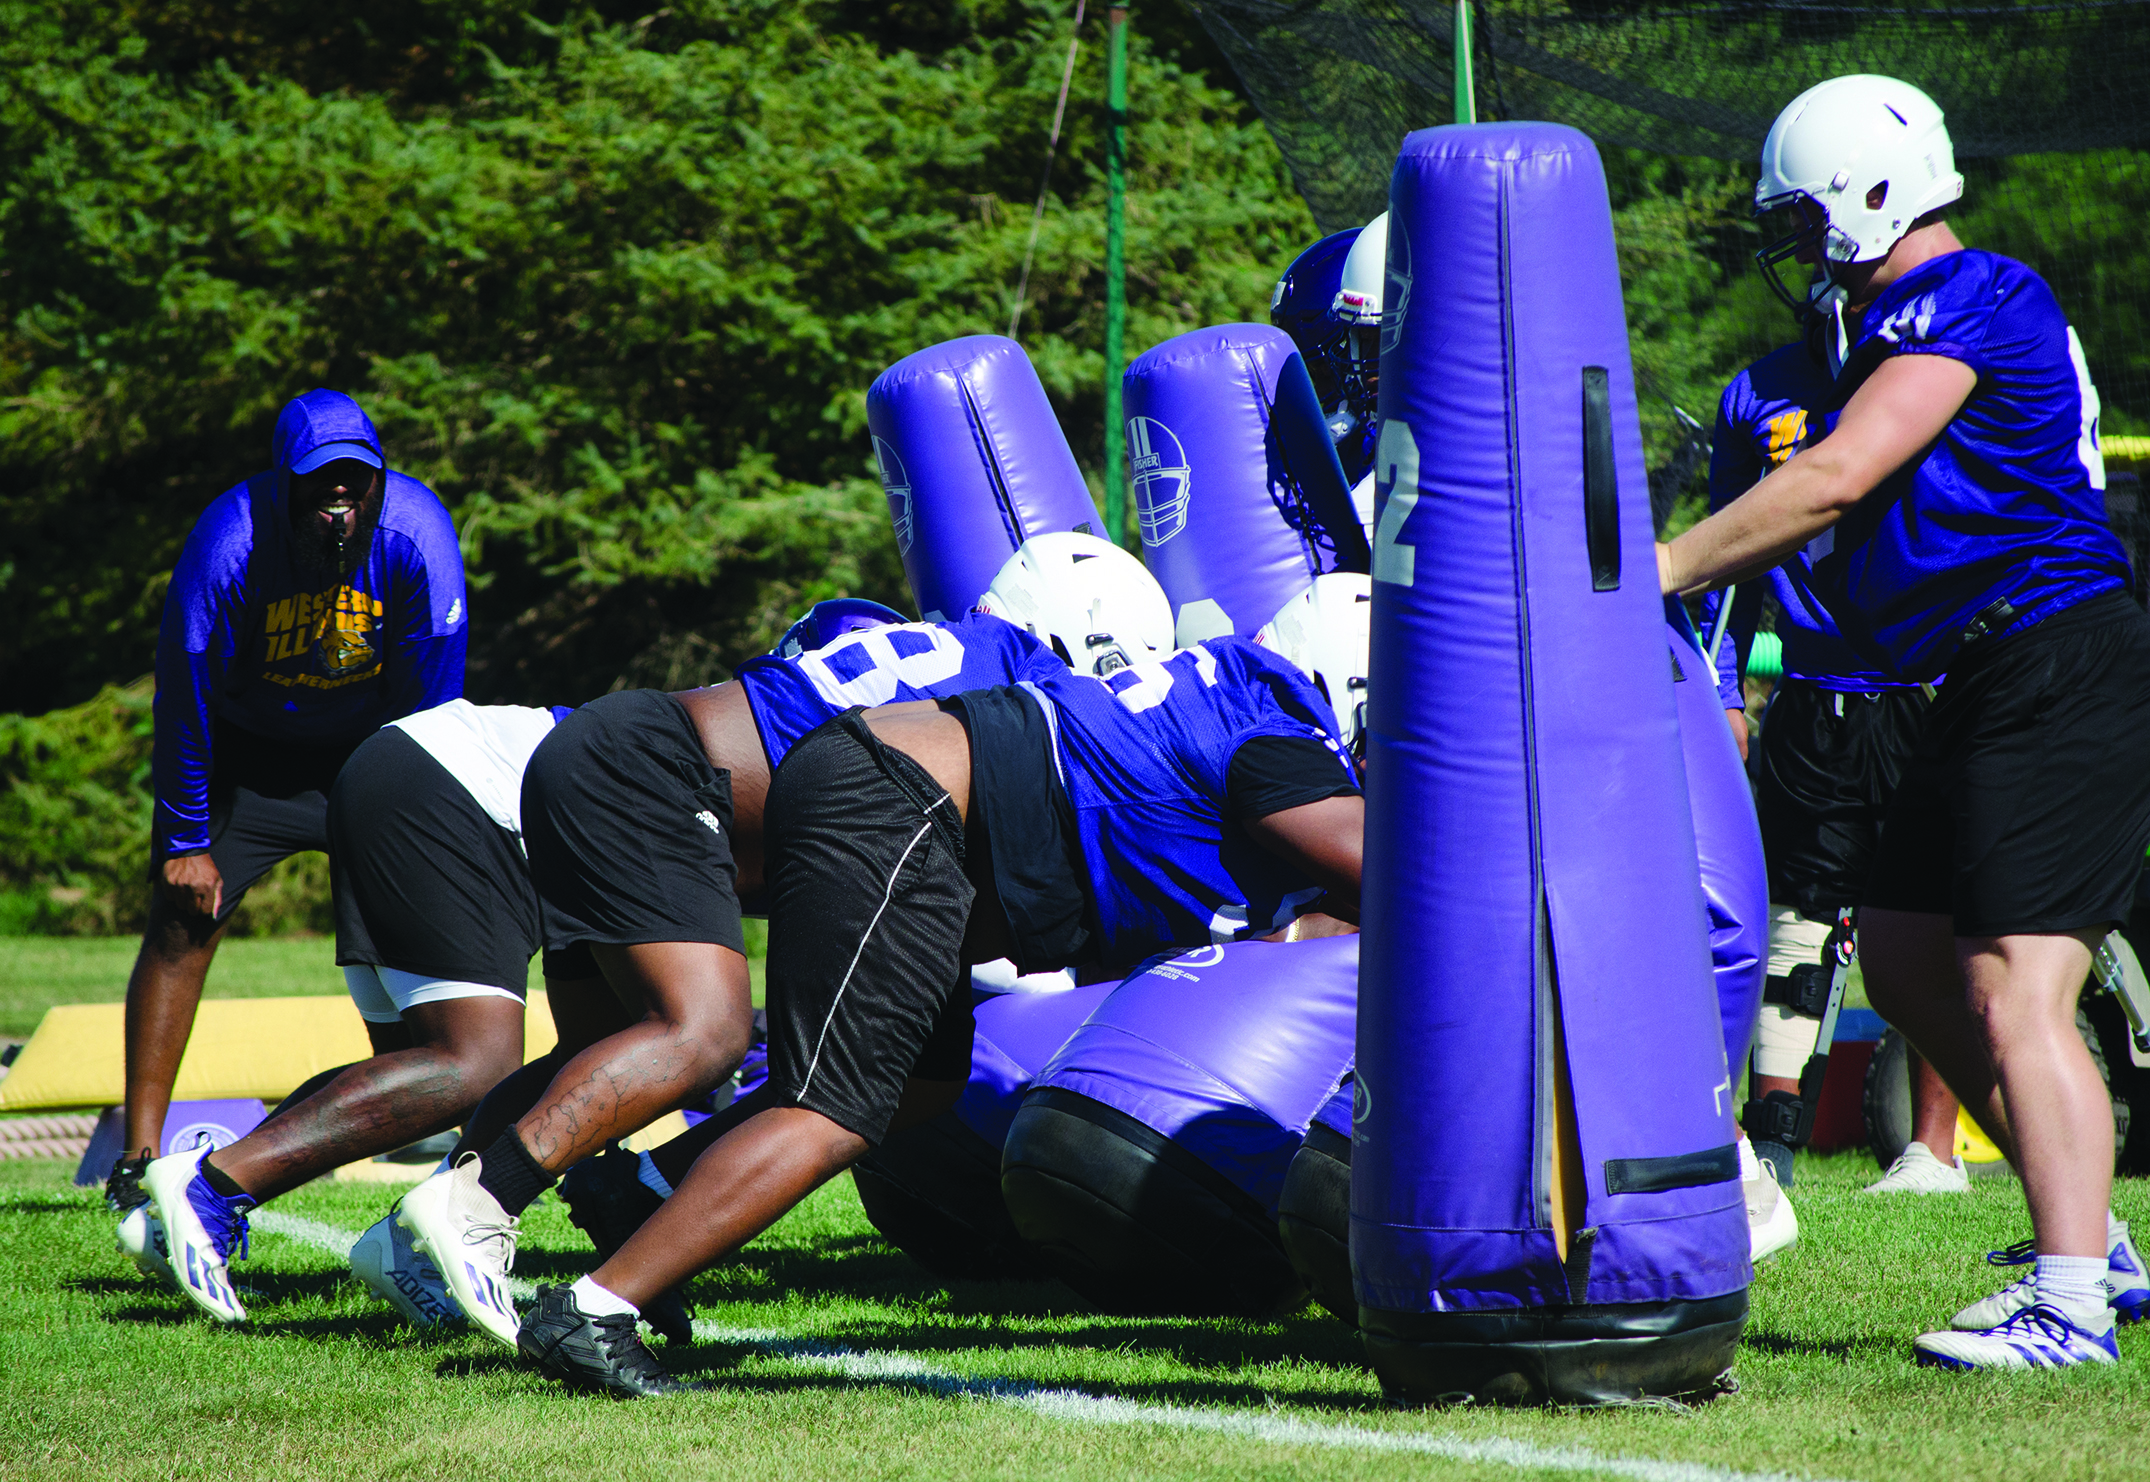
(705, 816)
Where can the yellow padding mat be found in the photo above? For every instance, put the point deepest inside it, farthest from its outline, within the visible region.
(242, 1047)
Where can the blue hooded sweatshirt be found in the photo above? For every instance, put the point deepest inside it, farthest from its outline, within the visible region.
(251, 641)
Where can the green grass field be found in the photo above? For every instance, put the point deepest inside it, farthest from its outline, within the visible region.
(38, 972)
(831, 1356)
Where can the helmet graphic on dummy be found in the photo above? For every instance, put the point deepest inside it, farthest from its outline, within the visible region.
(1326, 630)
(1085, 598)
(825, 622)
(1329, 302)
(1848, 168)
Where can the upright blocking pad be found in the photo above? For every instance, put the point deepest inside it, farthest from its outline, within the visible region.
(1728, 841)
(973, 463)
(1530, 1218)
(933, 1191)
(1147, 1160)
(1231, 520)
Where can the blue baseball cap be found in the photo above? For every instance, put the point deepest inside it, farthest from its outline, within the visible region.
(330, 452)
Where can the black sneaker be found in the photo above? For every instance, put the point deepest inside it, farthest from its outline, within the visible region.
(608, 1202)
(123, 1189)
(592, 1352)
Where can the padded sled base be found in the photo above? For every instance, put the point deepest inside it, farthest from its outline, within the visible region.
(1135, 1222)
(933, 1191)
(1588, 1355)
(1314, 1219)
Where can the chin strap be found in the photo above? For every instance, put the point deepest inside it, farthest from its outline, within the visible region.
(1816, 991)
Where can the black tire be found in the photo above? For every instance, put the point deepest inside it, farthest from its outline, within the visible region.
(1886, 1099)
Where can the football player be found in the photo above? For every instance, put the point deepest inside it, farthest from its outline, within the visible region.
(1953, 522)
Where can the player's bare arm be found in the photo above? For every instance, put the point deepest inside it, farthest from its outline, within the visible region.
(1890, 421)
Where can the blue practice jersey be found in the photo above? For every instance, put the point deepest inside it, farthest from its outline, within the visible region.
(1144, 755)
(2008, 506)
(250, 639)
(881, 666)
(1771, 410)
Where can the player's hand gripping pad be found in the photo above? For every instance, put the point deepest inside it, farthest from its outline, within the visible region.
(973, 463)
(1728, 839)
(1229, 524)
(1545, 1199)
(1147, 1160)
(933, 1191)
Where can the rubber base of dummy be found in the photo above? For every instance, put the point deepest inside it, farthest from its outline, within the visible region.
(1135, 1222)
(933, 1191)
(1586, 1355)
(1314, 1219)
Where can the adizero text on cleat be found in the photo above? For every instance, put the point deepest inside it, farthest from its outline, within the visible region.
(2040, 1336)
(608, 1202)
(403, 1276)
(471, 1240)
(592, 1352)
(142, 1241)
(123, 1187)
(201, 1228)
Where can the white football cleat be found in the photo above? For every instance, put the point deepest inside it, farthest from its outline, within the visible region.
(141, 1240)
(201, 1227)
(1772, 1226)
(1917, 1171)
(2039, 1336)
(471, 1239)
(385, 1260)
(2127, 1288)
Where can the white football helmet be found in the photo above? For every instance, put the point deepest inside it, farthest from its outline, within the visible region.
(1089, 601)
(1326, 630)
(1848, 166)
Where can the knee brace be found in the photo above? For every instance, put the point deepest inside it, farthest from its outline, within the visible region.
(1808, 964)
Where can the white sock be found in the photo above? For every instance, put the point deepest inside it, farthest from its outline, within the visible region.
(651, 1179)
(2073, 1283)
(598, 1302)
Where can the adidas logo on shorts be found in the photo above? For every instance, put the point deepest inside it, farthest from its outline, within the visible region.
(705, 816)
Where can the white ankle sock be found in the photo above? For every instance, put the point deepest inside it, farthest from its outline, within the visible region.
(598, 1302)
(2073, 1283)
(651, 1179)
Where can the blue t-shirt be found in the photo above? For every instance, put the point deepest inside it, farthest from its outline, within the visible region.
(250, 639)
(882, 666)
(1770, 411)
(2008, 506)
(1144, 757)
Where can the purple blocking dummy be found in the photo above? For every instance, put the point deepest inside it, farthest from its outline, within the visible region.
(1313, 1214)
(973, 463)
(933, 1191)
(1545, 1198)
(1224, 524)
(1728, 840)
(1147, 1160)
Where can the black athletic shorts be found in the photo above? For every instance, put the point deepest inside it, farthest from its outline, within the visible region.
(425, 880)
(1829, 764)
(268, 800)
(868, 902)
(629, 828)
(2026, 805)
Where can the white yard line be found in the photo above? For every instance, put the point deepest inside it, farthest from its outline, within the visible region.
(876, 1366)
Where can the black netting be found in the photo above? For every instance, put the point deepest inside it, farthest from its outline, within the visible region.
(2043, 102)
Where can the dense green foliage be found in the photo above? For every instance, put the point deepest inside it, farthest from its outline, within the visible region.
(613, 286)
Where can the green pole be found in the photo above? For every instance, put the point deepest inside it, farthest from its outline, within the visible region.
(1115, 274)
(1466, 89)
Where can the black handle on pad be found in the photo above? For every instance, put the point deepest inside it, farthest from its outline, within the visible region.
(1601, 486)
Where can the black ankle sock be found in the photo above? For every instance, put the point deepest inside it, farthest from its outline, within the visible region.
(221, 1181)
(508, 1172)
